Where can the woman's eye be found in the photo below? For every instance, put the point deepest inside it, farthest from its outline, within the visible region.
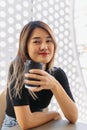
(49, 41)
(36, 42)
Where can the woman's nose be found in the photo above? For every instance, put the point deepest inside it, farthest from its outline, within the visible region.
(43, 46)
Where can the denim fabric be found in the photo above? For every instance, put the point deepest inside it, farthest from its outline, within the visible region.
(8, 122)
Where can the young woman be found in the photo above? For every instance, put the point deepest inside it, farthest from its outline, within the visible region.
(37, 43)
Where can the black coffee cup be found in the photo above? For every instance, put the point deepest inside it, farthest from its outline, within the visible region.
(30, 64)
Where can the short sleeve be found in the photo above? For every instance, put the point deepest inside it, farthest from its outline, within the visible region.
(21, 100)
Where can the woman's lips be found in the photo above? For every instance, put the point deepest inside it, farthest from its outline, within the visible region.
(43, 54)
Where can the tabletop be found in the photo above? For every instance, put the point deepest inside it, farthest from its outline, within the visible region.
(57, 125)
(62, 125)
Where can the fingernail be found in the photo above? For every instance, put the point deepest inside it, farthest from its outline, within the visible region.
(30, 70)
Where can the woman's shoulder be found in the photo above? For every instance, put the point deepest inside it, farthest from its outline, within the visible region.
(57, 70)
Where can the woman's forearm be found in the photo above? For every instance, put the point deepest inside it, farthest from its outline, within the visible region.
(68, 107)
(40, 118)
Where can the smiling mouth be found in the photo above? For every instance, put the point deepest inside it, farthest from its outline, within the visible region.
(43, 54)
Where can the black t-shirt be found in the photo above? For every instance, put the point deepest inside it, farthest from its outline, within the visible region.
(44, 96)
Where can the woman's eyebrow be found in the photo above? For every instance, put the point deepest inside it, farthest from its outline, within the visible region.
(36, 38)
(40, 37)
(48, 36)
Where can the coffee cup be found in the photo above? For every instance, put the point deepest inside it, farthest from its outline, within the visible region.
(30, 64)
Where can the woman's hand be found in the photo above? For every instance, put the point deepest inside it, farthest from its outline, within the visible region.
(45, 80)
(57, 116)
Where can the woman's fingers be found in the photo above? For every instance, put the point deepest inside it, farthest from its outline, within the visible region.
(33, 82)
(57, 117)
(34, 76)
(37, 71)
(42, 79)
(34, 79)
(36, 89)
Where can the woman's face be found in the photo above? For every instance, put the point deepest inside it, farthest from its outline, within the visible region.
(40, 46)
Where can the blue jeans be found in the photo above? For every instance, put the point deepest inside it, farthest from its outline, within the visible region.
(8, 122)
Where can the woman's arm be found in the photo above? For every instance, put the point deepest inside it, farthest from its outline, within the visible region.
(68, 107)
(27, 119)
(47, 81)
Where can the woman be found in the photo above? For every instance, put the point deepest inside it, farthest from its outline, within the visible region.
(37, 43)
